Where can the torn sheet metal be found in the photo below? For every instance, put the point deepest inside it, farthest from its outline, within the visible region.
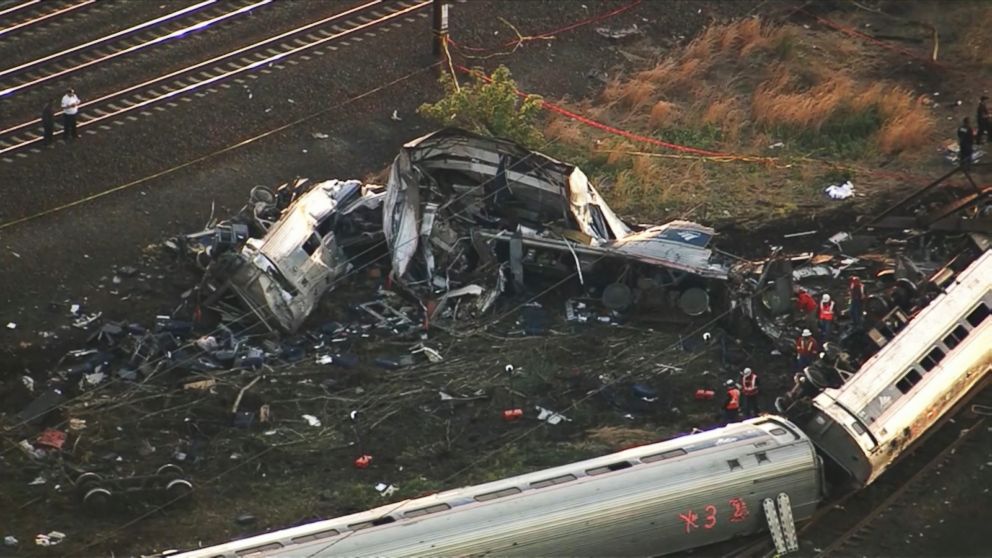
(286, 249)
(449, 188)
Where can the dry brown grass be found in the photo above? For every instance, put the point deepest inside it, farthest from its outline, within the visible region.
(740, 88)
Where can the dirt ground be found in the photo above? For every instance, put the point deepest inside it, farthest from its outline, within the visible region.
(264, 477)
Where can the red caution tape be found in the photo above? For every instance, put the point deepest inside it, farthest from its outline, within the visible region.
(607, 128)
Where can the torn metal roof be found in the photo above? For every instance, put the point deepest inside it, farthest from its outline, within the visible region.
(450, 184)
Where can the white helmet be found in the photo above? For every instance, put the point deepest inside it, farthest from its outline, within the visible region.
(745, 372)
(826, 297)
(730, 383)
(807, 333)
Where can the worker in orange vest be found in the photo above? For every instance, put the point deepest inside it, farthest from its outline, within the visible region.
(806, 349)
(749, 391)
(732, 406)
(826, 316)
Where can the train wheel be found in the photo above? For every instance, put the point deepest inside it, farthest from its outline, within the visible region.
(169, 470)
(97, 498)
(86, 481)
(178, 488)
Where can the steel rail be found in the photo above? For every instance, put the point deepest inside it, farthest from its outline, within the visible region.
(19, 7)
(150, 96)
(137, 47)
(840, 542)
(39, 19)
(112, 36)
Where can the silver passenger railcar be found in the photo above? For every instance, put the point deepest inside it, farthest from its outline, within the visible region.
(646, 501)
(943, 353)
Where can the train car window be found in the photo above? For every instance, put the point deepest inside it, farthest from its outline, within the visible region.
(908, 381)
(762, 457)
(498, 494)
(734, 464)
(933, 358)
(256, 550)
(978, 315)
(549, 482)
(858, 428)
(955, 337)
(663, 455)
(316, 536)
(607, 468)
(428, 510)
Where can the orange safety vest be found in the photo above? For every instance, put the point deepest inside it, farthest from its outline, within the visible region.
(827, 310)
(735, 399)
(805, 345)
(750, 384)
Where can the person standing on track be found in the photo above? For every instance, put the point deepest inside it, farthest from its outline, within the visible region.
(966, 140)
(70, 109)
(983, 120)
(48, 122)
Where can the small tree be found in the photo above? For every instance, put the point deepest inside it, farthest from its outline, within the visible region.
(488, 106)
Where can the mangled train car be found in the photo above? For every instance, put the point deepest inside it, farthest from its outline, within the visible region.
(287, 248)
(459, 205)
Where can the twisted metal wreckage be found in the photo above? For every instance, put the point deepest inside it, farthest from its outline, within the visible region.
(458, 210)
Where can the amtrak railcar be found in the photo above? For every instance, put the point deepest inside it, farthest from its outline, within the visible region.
(941, 355)
(646, 501)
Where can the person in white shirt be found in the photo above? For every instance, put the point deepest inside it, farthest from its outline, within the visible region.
(70, 108)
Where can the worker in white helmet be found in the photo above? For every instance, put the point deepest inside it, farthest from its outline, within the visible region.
(806, 349)
(826, 316)
(749, 393)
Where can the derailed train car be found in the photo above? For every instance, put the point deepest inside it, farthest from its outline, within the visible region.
(646, 501)
(940, 356)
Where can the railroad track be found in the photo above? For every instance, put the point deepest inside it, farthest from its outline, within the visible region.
(330, 33)
(29, 13)
(845, 543)
(174, 25)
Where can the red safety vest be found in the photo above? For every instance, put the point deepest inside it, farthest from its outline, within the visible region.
(805, 345)
(827, 311)
(750, 384)
(734, 401)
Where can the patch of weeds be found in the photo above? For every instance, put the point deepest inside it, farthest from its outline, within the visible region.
(785, 47)
(706, 137)
(847, 133)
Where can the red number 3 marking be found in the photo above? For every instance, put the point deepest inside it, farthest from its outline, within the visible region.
(710, 517)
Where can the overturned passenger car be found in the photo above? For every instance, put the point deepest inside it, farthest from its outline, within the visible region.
(458, 202)
(285, 249)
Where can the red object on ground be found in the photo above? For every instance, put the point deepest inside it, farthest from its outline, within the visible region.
(510, 415)
(363, 461)
(51, 438)
(704, 394)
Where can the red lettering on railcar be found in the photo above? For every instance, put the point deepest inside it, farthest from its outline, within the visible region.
(740, 510)
(710, 517)
(689, 518)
